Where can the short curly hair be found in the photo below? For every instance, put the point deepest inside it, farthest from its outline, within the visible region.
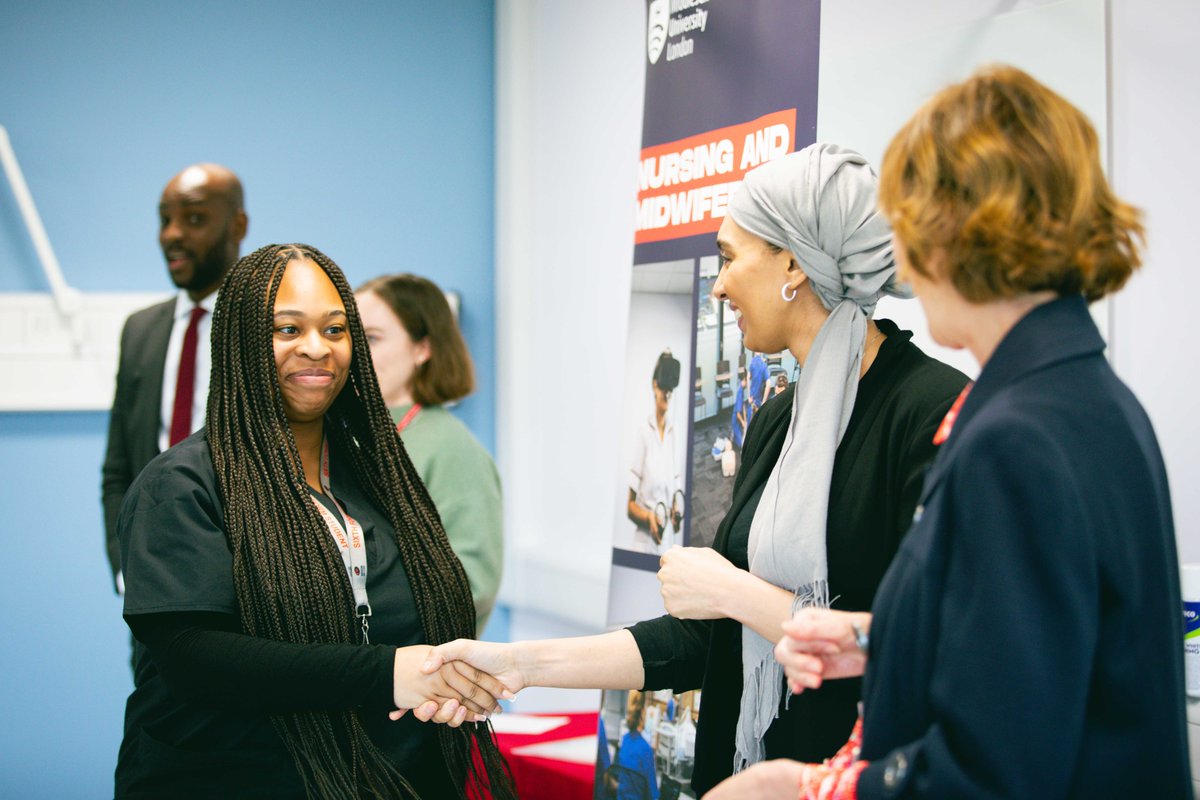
(1000, 178)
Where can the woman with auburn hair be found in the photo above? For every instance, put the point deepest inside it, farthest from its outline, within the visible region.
(286, 572)
(422, 364)
(1026, 640)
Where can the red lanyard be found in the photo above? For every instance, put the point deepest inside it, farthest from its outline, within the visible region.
(353, 546)
(409, 417)
(943, 431)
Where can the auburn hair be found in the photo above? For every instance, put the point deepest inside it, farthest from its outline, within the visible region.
(289, 578)
(996, 184)
(448, 374)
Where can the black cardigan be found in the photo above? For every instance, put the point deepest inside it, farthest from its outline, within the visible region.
(877, 477)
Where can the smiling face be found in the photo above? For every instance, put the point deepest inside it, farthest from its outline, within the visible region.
(752, 276)
(311, 340)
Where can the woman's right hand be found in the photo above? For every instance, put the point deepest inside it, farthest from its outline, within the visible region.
(497, 659)
(820, 644)
(450, 693)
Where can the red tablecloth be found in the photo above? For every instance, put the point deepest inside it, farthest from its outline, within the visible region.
(547, 778)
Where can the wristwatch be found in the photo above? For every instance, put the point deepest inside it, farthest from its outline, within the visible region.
(861, 637)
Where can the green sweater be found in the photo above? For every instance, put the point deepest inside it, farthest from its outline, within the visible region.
(465, 487)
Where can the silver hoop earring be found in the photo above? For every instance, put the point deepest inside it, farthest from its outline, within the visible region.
(787, 298)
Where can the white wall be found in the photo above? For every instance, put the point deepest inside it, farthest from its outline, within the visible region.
(570, 80)
(568, 123)
(1155, 68)
(870, 84)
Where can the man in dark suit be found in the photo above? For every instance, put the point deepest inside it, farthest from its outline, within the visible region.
(162, 374)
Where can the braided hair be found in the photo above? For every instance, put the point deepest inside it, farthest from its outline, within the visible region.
(288, 574)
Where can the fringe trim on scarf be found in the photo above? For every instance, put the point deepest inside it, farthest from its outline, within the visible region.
(764, 690)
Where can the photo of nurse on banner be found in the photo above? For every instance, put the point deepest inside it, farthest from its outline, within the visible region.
(651, 506)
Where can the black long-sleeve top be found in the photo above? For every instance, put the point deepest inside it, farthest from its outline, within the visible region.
(198, 721)
(204, 657)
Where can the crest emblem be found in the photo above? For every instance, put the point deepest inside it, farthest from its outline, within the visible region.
(656, 28)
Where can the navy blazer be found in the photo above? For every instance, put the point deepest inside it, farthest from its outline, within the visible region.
(1027, 639)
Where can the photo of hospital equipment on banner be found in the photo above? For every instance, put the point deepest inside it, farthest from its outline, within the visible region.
(647, 739)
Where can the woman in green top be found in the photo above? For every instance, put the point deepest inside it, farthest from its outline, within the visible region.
(422, 363)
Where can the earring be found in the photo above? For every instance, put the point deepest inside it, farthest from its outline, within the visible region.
(787, 298)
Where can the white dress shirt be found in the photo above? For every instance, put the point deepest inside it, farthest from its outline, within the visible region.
(183, 311)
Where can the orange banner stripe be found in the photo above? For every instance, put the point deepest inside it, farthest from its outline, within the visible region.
(684, 186)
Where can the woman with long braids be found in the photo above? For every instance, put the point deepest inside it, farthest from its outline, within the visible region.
(286, 574)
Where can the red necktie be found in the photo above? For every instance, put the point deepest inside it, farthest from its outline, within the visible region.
(185, 382)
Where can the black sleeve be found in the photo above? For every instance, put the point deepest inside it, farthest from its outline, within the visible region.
(674, 651)
(117, 473)
(174, 551)
(204, 658)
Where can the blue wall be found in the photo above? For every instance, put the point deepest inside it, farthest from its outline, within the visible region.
(365, 129)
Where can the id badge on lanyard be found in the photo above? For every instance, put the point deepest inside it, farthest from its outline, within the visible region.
(352, 545)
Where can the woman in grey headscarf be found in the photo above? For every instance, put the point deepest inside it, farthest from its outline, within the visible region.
(830, 473)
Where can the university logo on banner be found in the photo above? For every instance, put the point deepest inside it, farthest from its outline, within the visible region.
(656, 29)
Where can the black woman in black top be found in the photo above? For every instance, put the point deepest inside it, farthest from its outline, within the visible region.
(286, 575)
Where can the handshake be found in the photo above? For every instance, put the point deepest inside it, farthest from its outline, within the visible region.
(456, 682)
(465, 680)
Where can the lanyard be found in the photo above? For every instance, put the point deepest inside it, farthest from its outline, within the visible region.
(352, 547)
(943, 431)
(409, 417)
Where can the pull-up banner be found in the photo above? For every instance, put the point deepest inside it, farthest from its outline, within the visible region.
(730, 84)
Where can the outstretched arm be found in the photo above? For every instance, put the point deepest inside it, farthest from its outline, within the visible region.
(606, 661)
(203, 656)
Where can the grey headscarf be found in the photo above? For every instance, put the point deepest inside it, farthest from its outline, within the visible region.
(818, 203)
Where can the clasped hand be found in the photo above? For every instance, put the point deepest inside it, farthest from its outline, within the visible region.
(695, 581)
(452, 692)
(819, 644)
